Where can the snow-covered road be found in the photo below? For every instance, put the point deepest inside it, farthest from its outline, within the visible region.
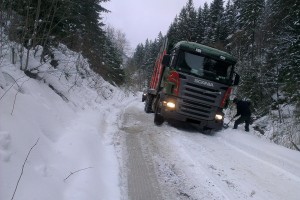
(177, 162)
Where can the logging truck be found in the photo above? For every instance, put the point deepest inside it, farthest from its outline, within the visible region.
(192, 83)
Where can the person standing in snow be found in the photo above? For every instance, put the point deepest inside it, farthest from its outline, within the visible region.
(243, 110)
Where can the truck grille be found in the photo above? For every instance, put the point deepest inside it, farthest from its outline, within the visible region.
(198, 101)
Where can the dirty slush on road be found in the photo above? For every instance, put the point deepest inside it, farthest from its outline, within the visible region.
(147, 172)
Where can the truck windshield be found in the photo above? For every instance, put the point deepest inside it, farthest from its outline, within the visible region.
(204, 67)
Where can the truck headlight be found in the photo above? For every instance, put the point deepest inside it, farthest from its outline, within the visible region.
(218, 117)
(170, 105)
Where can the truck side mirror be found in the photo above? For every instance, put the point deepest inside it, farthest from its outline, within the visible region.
(166, 60)
(236, 79)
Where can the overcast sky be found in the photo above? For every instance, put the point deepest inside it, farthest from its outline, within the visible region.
(142, 19)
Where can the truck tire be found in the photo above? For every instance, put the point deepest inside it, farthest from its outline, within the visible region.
(143, 98)
(148, 103)
(158, 118)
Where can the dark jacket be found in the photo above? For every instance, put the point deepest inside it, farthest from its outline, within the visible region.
(243, 108)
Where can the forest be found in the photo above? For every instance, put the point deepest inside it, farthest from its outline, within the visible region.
(262, 34)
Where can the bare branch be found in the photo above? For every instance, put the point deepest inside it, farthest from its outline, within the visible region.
(23, 168)
(71, 173)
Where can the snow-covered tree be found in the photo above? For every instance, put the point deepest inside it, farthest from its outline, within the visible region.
(217, 31)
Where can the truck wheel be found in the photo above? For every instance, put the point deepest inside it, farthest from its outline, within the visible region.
(158, 118)
(148, 103)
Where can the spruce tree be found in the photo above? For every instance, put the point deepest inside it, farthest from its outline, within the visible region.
(190, 23)
(229, 22)
(173, 32)
(199, 27)
(206, 24)
(216, 15)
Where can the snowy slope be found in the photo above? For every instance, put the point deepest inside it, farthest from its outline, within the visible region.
(72, 127)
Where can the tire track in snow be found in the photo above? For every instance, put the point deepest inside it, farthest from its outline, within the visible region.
(141, 183)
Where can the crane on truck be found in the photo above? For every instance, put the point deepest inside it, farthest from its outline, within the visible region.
(192, 83)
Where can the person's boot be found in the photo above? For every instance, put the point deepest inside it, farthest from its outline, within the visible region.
(247, 128)
(235, 125)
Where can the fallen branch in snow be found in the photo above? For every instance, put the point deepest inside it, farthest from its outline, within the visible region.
(59, 93)
(23, 168)
(296, 147)
(71, 173)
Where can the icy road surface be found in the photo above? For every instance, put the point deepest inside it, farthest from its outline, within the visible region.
(177, 162)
